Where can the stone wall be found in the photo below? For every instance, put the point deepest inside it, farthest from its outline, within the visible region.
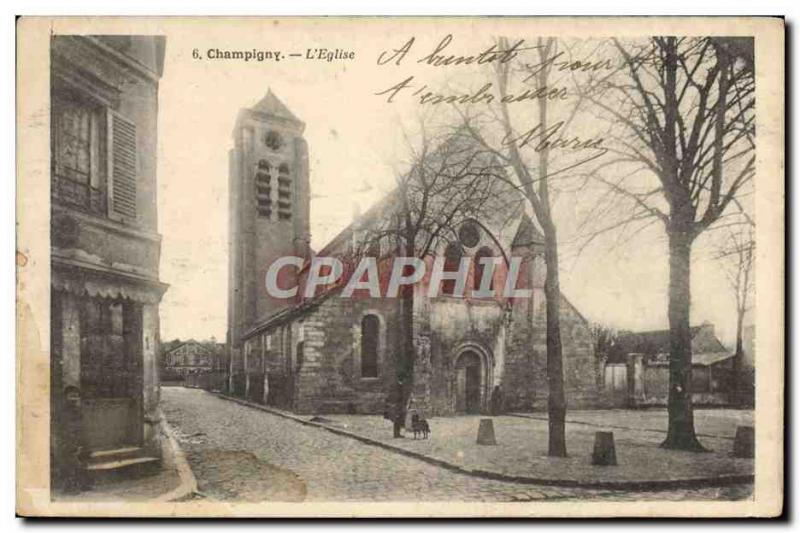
(581, 372)
(710, 385)
(330, 378)
(525, 383)
(326, 378)
(512, 348)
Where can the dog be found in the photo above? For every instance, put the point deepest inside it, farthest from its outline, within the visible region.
(420, 426)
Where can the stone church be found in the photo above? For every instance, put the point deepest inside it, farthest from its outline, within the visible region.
(329, 354)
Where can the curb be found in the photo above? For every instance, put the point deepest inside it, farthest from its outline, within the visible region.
(644, 486)
(188, 486)
(612, 426)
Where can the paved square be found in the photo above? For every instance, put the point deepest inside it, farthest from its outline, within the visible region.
(283, 453)
(521, 448)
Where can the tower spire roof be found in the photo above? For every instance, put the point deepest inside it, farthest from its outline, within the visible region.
(270, 105)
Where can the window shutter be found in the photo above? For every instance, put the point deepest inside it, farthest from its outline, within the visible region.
(121, 167)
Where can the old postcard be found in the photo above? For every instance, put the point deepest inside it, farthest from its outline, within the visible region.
(400, 267)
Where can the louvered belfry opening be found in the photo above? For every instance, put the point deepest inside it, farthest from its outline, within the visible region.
(263, 189)
(284, 193)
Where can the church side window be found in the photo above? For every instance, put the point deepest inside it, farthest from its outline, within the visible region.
(370, 329)
(263, 186)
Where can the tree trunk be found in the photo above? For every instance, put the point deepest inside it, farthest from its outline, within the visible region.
(405, 370)
(407, 366)
(736, 379)
(556, 403)
(680, 432)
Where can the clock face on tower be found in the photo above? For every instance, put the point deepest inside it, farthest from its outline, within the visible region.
(273, 140)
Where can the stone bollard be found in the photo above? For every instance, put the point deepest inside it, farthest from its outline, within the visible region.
(486, 432)
(604, 453)
(744, 442)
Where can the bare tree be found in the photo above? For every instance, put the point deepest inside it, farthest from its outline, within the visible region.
(451, 179)
(605, 339)
(736, 256)
(682, 110)
(540, 156)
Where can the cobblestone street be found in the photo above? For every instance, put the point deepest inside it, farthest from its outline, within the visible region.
(244, 454)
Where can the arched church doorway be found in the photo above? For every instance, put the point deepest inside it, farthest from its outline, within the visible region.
(469, 377)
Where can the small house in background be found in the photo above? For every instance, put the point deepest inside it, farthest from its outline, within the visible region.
(636, 371)
(193, 363)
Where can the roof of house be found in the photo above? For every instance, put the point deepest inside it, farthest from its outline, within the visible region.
(710, 358)
(658, 341)
(706, 347)
(211, 347)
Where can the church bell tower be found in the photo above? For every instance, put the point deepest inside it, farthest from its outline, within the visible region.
(268, 210)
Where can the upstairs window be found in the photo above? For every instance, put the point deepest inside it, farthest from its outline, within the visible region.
(77, 178)
(94, 157)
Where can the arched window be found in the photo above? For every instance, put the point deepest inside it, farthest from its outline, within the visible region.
(452, 260)
(478, 268)
(370, 329)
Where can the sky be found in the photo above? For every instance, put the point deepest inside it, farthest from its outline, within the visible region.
(357, 146)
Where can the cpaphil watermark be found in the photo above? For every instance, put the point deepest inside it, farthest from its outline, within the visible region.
(290, 277)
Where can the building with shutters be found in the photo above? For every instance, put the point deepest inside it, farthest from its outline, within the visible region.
(194, 363)
(328, 354)
(105, 287)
